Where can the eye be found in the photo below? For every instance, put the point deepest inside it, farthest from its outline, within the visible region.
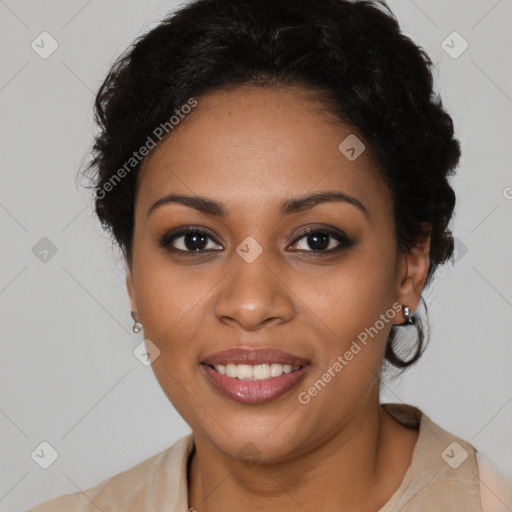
(190, 240)
(322, 240)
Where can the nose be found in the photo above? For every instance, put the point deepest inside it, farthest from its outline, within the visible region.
(253, 295)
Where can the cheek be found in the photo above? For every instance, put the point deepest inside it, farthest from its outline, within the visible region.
(167, 294)
(351, 296)
(345, 308)
(171, 304)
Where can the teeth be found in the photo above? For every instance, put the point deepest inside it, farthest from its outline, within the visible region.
(276, 370)
(231, 370)
(261, 371)
(244, 371)
(255, 372)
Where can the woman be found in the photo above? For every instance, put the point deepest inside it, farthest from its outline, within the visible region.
(276, 175)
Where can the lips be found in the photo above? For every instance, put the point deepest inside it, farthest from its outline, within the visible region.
(253, 390)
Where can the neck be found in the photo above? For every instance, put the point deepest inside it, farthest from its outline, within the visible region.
(356, 468)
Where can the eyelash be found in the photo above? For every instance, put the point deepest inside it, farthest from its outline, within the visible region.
(344, 241)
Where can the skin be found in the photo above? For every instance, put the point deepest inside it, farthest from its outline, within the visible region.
(251, 149)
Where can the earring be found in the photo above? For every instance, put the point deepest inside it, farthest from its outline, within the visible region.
(408, 315)
(137, 326)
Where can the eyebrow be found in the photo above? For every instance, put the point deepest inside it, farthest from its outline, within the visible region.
(299, 204)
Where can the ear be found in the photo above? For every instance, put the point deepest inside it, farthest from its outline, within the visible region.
(130, 288)
(412, 272)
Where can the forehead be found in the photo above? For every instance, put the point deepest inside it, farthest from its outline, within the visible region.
(250, 144)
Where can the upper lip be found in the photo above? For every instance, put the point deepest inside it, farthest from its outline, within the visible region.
(253, 356)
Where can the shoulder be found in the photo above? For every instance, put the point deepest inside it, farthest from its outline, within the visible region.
(160, 477)
(444, 471)
(495, 487)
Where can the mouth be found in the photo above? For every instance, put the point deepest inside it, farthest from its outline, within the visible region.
(254, 376)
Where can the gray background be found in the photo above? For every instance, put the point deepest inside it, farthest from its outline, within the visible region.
(68, 373)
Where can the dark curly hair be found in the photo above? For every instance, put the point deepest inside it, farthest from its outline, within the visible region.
(350, 54)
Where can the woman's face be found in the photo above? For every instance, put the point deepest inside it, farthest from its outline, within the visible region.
(260, 280)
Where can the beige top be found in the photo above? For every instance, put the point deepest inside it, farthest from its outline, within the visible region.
(446, 473)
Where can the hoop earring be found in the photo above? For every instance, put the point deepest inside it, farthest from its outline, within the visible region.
(408, 314)
(137, 326)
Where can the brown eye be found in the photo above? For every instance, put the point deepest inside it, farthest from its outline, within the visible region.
(190, 241)
(322, 241)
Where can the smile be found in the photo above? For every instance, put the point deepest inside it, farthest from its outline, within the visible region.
(254, 375)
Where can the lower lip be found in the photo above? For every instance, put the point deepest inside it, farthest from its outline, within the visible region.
(254, 391)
